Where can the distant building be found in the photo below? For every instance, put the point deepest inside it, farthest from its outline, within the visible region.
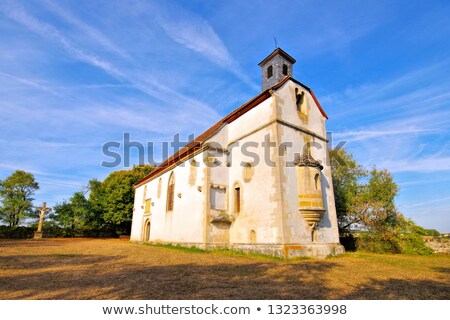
(255, 181)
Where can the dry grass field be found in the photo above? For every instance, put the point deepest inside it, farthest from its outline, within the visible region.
(114, 269)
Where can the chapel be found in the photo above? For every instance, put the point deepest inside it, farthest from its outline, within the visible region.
(259, 180)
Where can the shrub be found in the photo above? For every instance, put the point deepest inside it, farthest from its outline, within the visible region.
(51, 230)
(348, 240)
(393, 242)
(16, 232)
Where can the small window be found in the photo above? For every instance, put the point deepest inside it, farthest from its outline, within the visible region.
(218, 198)
(145, 194)
(237, 199)
(148, 203)
(171, 192)
(285, 69)
(252, 237)
(192, 172)
(248, 172)
(269, 72)
(159, 188)
(317, 181)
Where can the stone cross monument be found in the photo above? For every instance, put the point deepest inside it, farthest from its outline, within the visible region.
(42, 210)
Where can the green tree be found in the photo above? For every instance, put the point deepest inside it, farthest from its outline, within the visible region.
(365, 202)
(431, 232)
(16, 193)
(62, 214)
(73, 214)
(113, 198)
(364, 199)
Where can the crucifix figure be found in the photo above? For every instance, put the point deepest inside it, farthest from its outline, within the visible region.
(42, 210)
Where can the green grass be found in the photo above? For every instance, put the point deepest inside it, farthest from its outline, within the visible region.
(225, 252)
(177, 247)
(114, 269)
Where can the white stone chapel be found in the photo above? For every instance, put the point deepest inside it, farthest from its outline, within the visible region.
(259, 180)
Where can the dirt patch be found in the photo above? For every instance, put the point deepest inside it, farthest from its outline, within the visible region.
(114, 269)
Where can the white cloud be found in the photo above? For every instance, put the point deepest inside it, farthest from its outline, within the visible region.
(428, 164)
(426, 203)
(147, 85)
(15, 12)
(359, 135)
(195, 33)
(29, 82)
(89, 31)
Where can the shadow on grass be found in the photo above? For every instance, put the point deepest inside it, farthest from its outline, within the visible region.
(397, 289)
(123, 275)
(35, 262)
(442, 270)
(8, 243)
(94, 277)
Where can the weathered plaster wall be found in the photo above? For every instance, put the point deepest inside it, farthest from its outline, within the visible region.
(298, 231)
(185, 222)
(268, 220)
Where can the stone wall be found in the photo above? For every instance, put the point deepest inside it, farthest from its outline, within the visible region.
(438, 244)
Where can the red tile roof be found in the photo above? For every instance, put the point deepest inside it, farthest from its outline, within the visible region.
(196, 144)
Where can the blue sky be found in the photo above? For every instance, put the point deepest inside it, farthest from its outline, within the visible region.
(76, 74)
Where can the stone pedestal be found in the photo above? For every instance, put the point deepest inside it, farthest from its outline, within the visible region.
(37, 235)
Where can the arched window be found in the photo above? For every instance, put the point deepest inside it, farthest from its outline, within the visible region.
(192, 172)
(285, 69)
(237, 198)
(171, 192)
(159, 188)
(248, 172)
(269, 71)
(252, 237)
(317, 181)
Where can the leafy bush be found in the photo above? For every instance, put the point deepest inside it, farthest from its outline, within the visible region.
(51, 230)
(16, 232)
(393, 242)
(432, 232)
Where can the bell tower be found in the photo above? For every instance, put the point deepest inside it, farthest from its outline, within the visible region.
(275, 67)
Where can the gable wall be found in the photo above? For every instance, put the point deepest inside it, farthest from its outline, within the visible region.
(297, 230)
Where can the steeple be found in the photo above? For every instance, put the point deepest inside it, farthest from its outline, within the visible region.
(275, 67)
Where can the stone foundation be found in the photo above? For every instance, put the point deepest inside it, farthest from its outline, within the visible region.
(314, 250)
(38, 235)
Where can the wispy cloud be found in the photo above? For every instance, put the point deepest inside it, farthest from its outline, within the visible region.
(195, 33)
(29, 82)
(15, 12)
(401, 123)
(427, 164)
(359, 135)
(90, 32)
(427, 203)
(415, 93)
(149, 86)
